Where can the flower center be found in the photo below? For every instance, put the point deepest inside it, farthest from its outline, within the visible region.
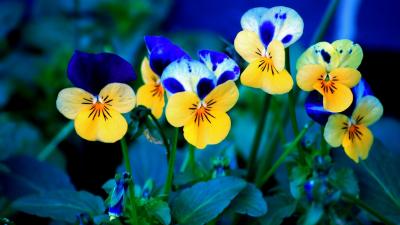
(202, 111)
(353, 130)
(328, 83)
(100, 107)
(266, 63)
(158, 90)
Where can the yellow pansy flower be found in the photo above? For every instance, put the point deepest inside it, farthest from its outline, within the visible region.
(353, 133)
(99, 98)
(151, 94)
(266, 33)
(331, 69)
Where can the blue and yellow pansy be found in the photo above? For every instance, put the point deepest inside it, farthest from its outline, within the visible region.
(262, 42)
(201, 93)
(331, 69)
(353, 133)
(161, 53)
(99, 97)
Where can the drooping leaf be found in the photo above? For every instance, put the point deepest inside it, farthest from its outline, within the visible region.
(27, 175)
(62, 205)
(313, 214)
(280, 206)
(149, 161)
(250, 202)
(204, 201)
(380, 188)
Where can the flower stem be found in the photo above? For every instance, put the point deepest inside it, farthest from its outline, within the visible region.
(127, 163)
(363, 205)
(289, 149)
(171, 164)
(51, 146)
(161, 131)
(257, 139)
(323, 26)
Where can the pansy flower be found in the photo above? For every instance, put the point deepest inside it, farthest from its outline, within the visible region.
(99, 97)
(353, 133)
(331, 69)
(262, 42)
(161, 53)
(315, 108)
(201, 94)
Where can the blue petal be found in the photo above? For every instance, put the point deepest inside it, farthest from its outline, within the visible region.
(267, 31)
(92, 72)
(223, 67)
(117, 209)
(153, 41)
(185, 73)
(204, 87)
(173, 85)
(162, 53)
(314, 102)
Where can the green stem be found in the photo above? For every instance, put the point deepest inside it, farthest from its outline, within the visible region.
(163, 135)
(323, 26)
(257, 139)
(324, 146)
(363, 205)
(171, 164)
(192, 157)
(127, 163)
(51, 146)
(291, 98)
(287, 151)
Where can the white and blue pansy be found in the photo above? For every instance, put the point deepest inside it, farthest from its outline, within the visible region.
(223, 67)
(277, 23)
(188, 75)
(252, 18)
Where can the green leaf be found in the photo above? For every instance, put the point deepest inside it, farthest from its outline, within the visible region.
(204, 201)
(249, 201)
(314, 214)
(345, 180)
(62, 205)
(280, 206)
(160, 210)
(380, 186)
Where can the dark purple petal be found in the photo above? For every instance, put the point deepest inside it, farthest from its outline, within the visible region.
(225, 76)
(117, 209)
(162, 52)
(172, 85)
(153, 41)
(314, 102)
(92, 72)
(267, 30)
(204, 87)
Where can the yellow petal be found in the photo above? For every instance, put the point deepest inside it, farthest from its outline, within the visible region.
(368, 110)
(152, 96)
(180, 108)
(335, 100)
(358, 146)
(276, 51)
(119, 96)
(148, 76)
(106, 126)
(350, 54)
(277, 83)
(347, 76)
(223, 97)
(308, 75)
(335, 129)
(249, 46)
(70, 101)
(203, 132)
(321, 53)
(253, 75)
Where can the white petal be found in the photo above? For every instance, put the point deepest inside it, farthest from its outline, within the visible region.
(251, 19)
